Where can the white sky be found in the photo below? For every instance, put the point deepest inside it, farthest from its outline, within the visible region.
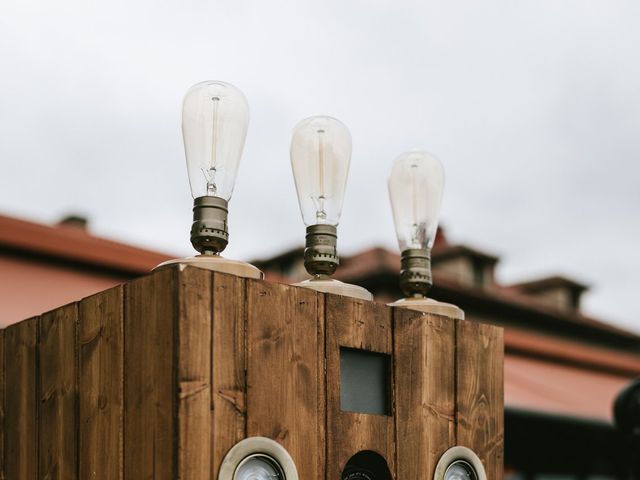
(533, 107)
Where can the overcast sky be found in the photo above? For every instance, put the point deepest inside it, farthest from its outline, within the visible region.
(532, 106)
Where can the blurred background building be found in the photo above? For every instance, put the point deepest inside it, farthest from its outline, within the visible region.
(563, 368)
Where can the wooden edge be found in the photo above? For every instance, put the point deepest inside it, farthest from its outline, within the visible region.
(193, 359)
(101, 385)
(424, 347)
(21, 433)
(480, 393)
(2, 396)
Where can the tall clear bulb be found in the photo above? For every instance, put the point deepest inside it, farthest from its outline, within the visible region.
(215, 118)
(416, 184)
(320, 156)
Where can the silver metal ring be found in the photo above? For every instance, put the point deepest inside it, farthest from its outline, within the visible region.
(463, 454)
(255, 447)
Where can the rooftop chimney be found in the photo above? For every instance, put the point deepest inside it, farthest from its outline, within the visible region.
(74, 221)
(556, 291)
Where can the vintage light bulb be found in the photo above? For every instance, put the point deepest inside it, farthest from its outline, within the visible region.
(320, 156)
(415, 189)
(215, 117)
(416, 184)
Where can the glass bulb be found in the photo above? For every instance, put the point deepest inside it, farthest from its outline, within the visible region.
(320, 156)
(459, 470)
(258, 467)
(215, 117)
(415, 188)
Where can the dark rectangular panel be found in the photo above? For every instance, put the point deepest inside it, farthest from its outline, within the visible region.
(364, 381)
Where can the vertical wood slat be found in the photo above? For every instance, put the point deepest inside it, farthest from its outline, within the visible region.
(480, 395)
(100, 385)
(322, 389)
(424, 350)
(363, 325)
(282, 386)
(2, 399)
(57, 390)
(193, 358)
(150, 406)
(228, 365)
(21, 431)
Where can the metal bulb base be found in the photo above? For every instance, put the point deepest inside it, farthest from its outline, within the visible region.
(209, 233)
(320, 254)
(321, 260)
(415, 272)
(415, 283)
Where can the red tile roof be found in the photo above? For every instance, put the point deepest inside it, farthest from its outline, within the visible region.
(75, 245)
(43, 267)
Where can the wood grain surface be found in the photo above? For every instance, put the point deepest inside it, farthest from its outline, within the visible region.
(480, 393)
(21, 416)
(228, 366)
(424, 350)
(193, 358)
(283, 371)
(57, 393)
(159, 378)
(100, 385)
(150, 387)
(2, 399)
(364, 325)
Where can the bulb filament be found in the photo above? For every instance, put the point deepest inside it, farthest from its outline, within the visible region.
(210, 173)
(414, 200)
(418, 232)
(321, 214)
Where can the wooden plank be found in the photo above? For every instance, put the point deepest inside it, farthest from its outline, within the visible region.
(282, 373)
(480, 396)
(364, 325)
(322, 389)
(2, 399)
(21, 429)
(100, 386)
(424, 351)
(150, 406)
(57, 392)
(193, 358)
(228, 365)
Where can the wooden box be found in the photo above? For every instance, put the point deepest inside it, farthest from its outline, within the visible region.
(159, 378)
